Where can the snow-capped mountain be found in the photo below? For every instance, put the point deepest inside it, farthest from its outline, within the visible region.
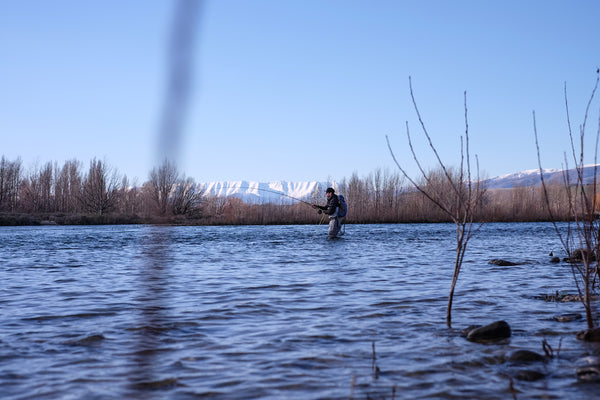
(532, 177)
(529, 177)
(287, 192)
(259, 192)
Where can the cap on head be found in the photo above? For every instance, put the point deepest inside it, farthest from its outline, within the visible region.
(330, 190)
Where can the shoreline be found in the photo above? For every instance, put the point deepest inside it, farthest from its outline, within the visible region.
(62, 219)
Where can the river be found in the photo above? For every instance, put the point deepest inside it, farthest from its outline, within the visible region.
(280, 312)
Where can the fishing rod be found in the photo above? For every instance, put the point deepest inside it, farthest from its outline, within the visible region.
(291, 197)
(283, 194)
(342, 232)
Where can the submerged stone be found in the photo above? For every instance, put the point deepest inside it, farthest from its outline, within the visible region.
(579, 255)
(588, 373)
(589, 335)
(526, 356)
(589, 370)
(529, 375)
(495, 331)
(502, 263)
(567, 317)
(568, 298)
(86, 341)
(465, 332)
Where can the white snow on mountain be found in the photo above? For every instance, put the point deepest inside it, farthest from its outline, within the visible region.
(314, 192)
(261, 192)
(532, 177)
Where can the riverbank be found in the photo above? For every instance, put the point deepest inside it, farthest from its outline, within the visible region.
(24, 219)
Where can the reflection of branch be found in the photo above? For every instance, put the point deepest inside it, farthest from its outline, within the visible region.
(151, 326)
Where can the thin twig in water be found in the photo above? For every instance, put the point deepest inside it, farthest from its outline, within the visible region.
(450, 190)
(582, 203)
(511, 388)
(547, 348)
(374, 355)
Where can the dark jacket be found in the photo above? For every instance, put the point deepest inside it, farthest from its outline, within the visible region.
(332, 204)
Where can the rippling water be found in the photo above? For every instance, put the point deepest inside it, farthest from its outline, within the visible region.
(278, 312)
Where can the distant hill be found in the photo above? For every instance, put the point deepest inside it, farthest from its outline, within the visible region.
(285, 192)
(259, 192)
(532, 178)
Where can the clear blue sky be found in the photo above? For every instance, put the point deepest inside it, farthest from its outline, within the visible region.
(297, 89)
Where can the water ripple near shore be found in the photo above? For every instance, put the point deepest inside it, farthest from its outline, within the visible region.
(278, 312)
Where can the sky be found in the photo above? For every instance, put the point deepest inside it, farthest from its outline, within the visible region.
(298, 90)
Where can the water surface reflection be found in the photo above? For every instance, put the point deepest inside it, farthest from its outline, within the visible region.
(278, 312)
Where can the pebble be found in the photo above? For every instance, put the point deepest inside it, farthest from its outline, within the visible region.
(567, 317)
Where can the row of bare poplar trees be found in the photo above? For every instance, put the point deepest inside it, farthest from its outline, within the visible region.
(384, 197)
(98, 190)
(379, 197)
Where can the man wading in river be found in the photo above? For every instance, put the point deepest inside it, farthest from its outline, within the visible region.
(332, 209)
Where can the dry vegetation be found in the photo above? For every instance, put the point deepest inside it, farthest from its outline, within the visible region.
(98, 194)
(453, 190)
(581, 241)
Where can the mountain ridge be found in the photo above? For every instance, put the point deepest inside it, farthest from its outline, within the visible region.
(275, 191)
(532, 177)
(286, 191)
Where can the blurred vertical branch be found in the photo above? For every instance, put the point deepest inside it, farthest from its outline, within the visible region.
(452, 190)
(153, 285)
(180, 74)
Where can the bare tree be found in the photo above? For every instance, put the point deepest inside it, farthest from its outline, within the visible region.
(37, 189)
(453, 191)
(357, 196)
(392, 190)
(186, 197)
(582, 238)
(130, 201)
(46, 188)
(10, 181)
(67, 187)
(375, 186)
(100, 188)
(146, 203)
(163, 180)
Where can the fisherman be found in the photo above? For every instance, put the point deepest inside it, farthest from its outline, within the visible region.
(332, 209)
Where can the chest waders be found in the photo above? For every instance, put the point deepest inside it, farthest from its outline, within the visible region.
(335, 225)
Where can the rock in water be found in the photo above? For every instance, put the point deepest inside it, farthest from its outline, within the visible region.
(465, 332)
(528, 375)
(495, 331)
(578, 255)
(589, 335)
(590, 370)
(525, 356)
(567, 317)
(588, 374)
(502, 263)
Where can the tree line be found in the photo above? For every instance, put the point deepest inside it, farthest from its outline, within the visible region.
(74, 193)
(71, 194)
